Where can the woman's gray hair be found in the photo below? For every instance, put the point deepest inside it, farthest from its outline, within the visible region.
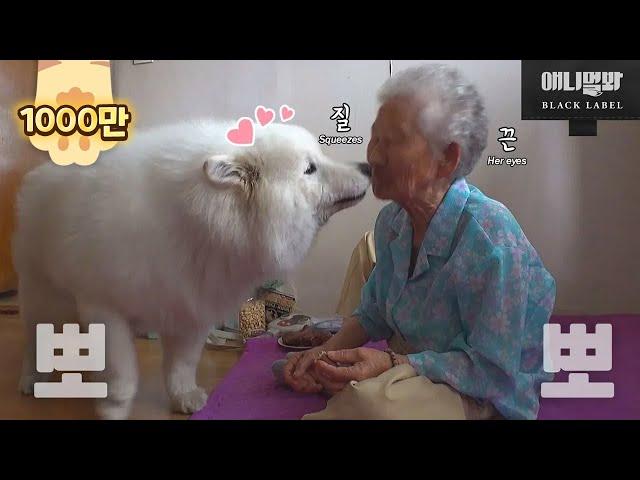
(452, 109)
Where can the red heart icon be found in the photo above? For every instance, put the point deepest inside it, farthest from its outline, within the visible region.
(243, 134)
(264, 116)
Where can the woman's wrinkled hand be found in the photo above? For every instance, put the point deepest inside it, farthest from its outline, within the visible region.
(297, 372)
(329, 386)
(362, 363)
(302, 375)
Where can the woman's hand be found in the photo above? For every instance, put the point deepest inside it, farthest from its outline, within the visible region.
(301, 373)
(329, 387)
(309, 381)
(362, 363)
(297, 374)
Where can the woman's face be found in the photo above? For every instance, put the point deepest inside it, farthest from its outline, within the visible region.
(399, 155)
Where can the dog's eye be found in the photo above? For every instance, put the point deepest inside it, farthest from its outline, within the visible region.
(310, 169)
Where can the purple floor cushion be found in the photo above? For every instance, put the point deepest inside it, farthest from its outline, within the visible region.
(249, 391)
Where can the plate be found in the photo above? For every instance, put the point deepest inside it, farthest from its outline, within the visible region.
(289, 323)
(292, 347)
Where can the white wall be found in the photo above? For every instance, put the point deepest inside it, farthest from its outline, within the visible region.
(575, 199)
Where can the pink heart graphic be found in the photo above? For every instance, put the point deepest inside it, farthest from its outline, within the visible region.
(264, 116)
(243, 134)
(286, 113)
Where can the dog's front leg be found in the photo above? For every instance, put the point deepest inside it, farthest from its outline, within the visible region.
(181, 355)
(121, 373)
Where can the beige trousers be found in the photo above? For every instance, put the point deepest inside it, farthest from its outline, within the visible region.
(401, 394)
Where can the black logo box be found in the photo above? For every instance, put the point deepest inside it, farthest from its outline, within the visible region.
(533, 95)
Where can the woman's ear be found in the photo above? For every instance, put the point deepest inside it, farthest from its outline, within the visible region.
(450, 161)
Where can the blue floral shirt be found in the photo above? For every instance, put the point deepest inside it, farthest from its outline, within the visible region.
(475, 304)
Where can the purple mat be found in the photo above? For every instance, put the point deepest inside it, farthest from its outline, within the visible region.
(249, 391)
(625, 375)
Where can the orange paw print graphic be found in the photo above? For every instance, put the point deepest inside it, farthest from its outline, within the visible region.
(75, 118)
(77, 99)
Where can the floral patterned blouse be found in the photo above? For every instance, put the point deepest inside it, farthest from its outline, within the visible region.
(475, 304)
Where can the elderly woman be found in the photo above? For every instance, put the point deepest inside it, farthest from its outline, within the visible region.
(458, 291)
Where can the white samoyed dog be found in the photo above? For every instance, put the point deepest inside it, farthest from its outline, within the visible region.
(169, 232)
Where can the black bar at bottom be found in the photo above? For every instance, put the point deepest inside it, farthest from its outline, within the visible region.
(583, 128)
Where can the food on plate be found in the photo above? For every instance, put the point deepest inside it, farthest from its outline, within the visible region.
(307, 337)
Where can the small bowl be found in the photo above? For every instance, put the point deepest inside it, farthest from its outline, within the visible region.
(332, 326)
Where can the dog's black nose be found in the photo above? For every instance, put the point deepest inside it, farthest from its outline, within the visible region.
(365, 169)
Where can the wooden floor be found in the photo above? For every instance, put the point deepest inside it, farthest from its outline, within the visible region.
(151, 402)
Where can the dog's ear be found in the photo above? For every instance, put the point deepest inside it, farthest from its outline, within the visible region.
(228, 172)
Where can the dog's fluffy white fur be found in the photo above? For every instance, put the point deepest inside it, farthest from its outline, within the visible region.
(169, 232)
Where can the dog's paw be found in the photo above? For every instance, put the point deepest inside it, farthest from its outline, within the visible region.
(189, 402)
(26, 384)
(108, 409)
(27, 381)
